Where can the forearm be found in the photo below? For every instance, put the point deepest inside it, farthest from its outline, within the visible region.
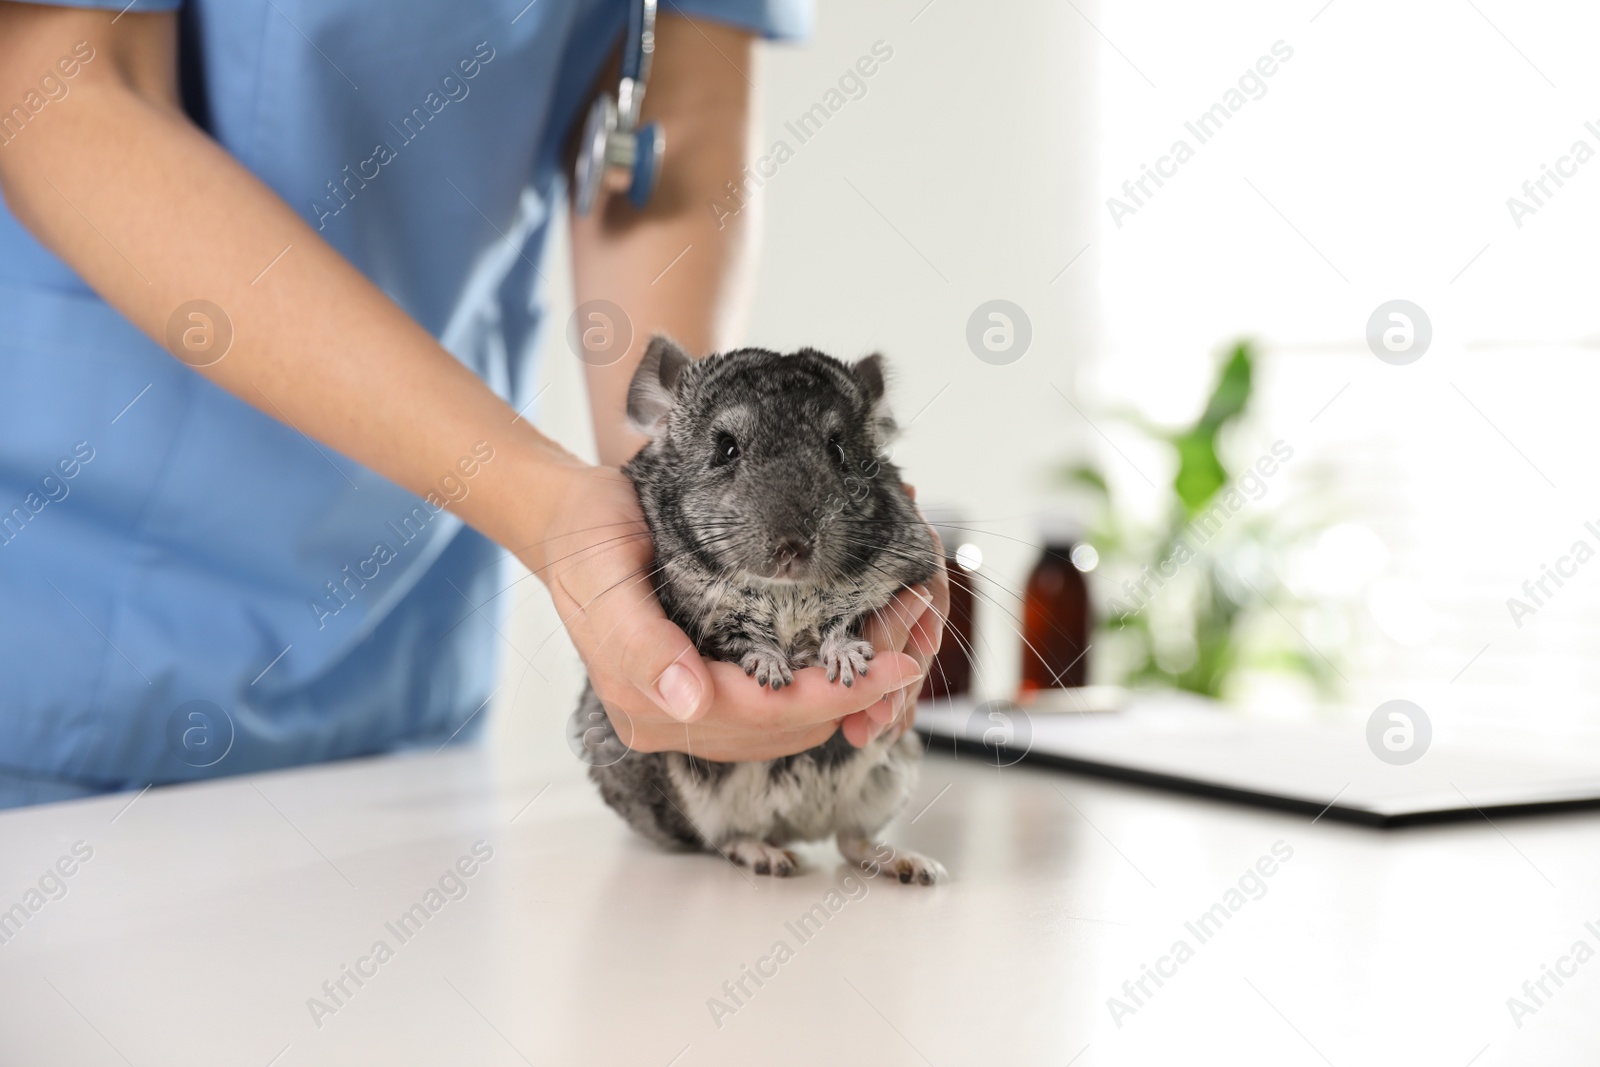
(678, 267)
(314, 343)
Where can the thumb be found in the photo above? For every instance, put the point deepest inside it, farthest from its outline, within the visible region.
(662, 663)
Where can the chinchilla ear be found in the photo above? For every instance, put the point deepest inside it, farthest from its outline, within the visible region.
(871, 372)
(653, 393)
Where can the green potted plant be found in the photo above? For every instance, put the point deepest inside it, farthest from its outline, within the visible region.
(1193, 600)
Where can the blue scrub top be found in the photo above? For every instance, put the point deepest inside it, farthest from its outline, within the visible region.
(178, 571)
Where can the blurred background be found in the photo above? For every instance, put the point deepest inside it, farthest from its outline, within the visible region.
(1374, 163)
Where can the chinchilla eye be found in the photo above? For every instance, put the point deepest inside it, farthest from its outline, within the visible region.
(836, 451)
(727, 447)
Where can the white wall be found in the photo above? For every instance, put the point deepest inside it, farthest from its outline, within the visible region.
(1378, 165)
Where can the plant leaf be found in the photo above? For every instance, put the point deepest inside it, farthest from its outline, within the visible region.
(1231, 395)
(1200, 472)
(1087, 476)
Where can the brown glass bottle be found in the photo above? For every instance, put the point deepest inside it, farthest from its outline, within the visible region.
(950, 674)
(1056, 621)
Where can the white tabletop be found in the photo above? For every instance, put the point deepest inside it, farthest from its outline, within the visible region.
(207, 917)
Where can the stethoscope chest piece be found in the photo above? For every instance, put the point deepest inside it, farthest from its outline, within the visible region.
(616, 153)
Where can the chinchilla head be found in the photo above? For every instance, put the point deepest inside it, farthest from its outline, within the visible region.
(768, 467)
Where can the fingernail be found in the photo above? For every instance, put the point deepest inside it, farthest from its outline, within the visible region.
(679, 691)
(924, 594)
(906, 683)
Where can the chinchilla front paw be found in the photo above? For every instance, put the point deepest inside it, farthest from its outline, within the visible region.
(845, 657)
(767, 667)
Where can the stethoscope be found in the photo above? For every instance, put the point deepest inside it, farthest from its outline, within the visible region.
(616, 151)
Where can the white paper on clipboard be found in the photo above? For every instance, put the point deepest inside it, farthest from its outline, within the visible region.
(1179, 742)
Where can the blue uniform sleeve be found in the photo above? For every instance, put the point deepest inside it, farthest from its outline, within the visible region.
(776, 19)
(135, 8)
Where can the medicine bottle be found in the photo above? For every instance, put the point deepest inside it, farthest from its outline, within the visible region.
(950, 674)
(1057, 618)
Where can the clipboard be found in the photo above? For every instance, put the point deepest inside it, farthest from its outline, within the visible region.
(1188, 745)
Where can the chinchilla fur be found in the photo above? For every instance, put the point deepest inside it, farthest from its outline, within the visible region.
(779, 526)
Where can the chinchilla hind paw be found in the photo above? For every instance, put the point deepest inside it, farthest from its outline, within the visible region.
(874, 857)
(761, 857)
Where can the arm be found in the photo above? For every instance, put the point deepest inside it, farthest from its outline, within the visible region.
(183, 220)
(671, 267)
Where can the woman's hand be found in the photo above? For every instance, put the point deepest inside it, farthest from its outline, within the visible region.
(595, 556)
(898, 711)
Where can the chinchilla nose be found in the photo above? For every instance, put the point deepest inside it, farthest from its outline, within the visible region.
(790, 549)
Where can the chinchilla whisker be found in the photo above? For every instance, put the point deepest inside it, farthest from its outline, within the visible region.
(966, 647)
(639, 574)
(511, 552)
(955, 526)
(641, 531)
(598, 547)
(643, 598)
(474, 608)
(1014, 623)
(609, 545)
(890, 546)
(595, 547)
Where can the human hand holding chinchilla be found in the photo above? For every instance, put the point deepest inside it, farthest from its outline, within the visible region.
(595, 558)
(927, 632)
